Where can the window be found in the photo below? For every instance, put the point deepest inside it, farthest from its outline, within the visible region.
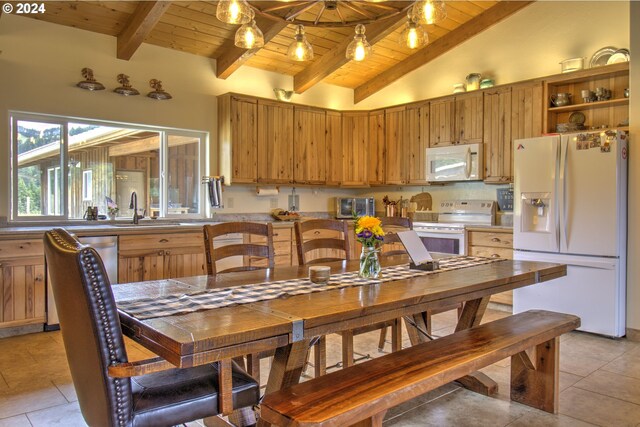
(60, 167)
(87, 185)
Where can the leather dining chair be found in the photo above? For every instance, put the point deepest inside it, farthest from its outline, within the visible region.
(255, 254)
(262, 249)
(94, 345)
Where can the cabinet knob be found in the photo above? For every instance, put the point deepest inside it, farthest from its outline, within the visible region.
(167, 252)
(160, 253)
(495, 256)
(163, 240)
(495, 239)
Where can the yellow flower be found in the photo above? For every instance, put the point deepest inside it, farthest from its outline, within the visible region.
(368, 222)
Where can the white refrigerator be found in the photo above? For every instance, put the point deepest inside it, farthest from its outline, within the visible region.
(570, 207)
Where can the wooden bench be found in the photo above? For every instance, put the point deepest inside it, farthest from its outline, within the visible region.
(361, 394)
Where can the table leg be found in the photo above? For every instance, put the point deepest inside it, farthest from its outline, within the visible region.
(286, 368)
(472, 314)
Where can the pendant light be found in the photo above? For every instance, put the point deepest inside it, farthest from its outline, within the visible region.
(300, 49)
(429, 11)
(359, 49)
(234, 11)
(413, 35)
(249, 35)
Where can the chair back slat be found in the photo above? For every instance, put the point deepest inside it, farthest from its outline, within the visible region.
(310, 250)
(214, 253)
(391, 226)
(90, 327)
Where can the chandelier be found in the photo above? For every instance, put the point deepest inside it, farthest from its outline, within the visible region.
(330, 13)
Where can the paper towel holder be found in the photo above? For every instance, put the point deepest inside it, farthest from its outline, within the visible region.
(267, 191)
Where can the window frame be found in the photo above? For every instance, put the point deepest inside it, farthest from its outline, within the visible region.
(87, 185)
(64, 121)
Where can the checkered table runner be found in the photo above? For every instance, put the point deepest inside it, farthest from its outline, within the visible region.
(147, 308)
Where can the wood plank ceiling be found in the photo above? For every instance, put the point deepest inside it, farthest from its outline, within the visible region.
(192, 27)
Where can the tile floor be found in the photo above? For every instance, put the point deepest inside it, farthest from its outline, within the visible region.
(599, 383)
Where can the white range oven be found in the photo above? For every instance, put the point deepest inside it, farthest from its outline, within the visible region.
(448, 235)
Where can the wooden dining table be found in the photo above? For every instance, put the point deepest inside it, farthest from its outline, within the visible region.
(288, 324)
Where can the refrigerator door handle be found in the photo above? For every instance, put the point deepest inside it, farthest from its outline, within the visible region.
(564, 148)
(558, 197)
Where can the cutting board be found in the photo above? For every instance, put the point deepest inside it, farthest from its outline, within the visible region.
(423, 200)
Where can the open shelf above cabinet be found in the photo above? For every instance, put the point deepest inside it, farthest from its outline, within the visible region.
(598, 114)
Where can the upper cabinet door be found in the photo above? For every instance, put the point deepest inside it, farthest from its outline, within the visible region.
(498, 146)
(526, 110)
(355, 158)
(238, 138)
(333, 138)
(469, 118)
(416, 142)
(442, 122)
(377, 148)
(275, 142)
(395, 167)
(309, 146)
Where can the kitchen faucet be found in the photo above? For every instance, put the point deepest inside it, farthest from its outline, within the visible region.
(134, 205)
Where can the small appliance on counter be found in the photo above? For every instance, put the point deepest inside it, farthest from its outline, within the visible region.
(347, 206)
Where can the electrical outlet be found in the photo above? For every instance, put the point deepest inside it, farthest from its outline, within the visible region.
(273, 202)
(230, 202)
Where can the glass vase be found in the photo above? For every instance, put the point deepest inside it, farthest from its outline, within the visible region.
(369, 263)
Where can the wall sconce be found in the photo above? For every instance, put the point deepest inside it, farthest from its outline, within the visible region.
(158, 93)
(126, 88)
(89, 83)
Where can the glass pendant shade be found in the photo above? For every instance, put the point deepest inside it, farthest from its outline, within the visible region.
(359, 49)
(429, 11)
(413, 35)
(249, 36)
(300, 49)
(234, 11)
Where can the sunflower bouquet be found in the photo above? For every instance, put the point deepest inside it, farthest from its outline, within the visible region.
(369, 232)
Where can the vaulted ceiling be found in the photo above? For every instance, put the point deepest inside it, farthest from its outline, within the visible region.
(192, 26)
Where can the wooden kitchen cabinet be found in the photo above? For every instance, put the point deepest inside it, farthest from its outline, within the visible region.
(22, 288)
(416, 141)
(275, 142)
(160, 256)
(394, 139)
(238, 138)
(498, 147)
(334, 148)
(309, 148)
(355, 156)
(456, 120)
(377, 148)
(492, 243)
(510, 113)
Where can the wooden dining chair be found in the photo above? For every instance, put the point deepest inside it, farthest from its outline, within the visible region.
(256, 253)
(391, 226)
(316, 241)
(248, 250)
(155, 393)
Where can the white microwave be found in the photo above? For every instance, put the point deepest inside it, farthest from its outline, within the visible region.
(455, 163)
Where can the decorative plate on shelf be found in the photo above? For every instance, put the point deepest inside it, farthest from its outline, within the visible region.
(601, 56)
(577, 118)
(620, 55)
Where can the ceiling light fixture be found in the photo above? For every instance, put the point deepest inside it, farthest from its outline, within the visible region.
(300, 49)
(413, 35)
(158, 92)
(249, 36)
(89, 83)
(126, 88)
(234, 11)
(429, 11)
(359, 49)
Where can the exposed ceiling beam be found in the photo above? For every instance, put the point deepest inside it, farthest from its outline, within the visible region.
(336, 58)
(444, 44)
(233, 57)
(146, 144)
(145, 17)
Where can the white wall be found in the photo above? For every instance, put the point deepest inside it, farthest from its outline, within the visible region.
(528, 44)
(633, 252)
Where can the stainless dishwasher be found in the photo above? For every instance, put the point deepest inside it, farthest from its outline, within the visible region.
(107, 248)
